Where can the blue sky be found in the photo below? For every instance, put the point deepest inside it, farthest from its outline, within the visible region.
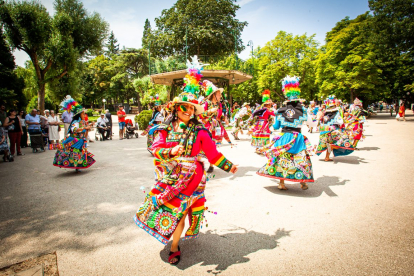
(265, 17)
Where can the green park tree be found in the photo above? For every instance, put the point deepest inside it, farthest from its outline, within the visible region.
(146, 34)
(11, 84)
(348, 66)
(393, 35)
(112, 47)
(54, 44)
(211, 29)
(288, 55)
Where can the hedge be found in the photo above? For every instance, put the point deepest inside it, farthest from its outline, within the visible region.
(89, 112)
(143, 119)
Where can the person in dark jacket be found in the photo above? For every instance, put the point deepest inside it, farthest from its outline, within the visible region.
(108, 116)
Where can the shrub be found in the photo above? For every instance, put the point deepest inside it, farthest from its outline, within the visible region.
(89, 112)
(95, 113)
(143, 119)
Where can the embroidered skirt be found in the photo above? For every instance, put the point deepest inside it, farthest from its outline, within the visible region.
(73, 154)
(260, 134)
(292, 166)
(179, 189)
(338, 141)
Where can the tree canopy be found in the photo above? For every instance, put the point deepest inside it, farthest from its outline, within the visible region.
(210, 28)
(393, 36)
(11, 85)
(54, 44)
(348, 66)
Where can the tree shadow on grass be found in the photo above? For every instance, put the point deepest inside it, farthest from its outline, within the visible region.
(321, 185)
(223, 250)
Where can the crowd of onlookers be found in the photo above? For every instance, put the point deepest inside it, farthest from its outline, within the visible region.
(16, 128)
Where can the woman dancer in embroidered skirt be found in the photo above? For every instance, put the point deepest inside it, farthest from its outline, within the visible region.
(333, 137)
(181, 178)
(288, 154)
(72, 152)
(213, 113)
(261, 130)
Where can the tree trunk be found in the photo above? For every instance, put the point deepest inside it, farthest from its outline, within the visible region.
(170, 95)
(41, 97)
(139, 102)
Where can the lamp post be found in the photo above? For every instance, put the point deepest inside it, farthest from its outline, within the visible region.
(250, 43)
(104, 101)
(186, 46)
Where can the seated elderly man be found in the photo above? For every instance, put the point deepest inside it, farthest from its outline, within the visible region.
(103, 127)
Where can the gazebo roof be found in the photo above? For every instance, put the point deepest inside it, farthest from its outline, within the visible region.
(213, 75)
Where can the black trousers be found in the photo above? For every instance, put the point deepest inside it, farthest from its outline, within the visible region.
(23, 141)
(103, 131)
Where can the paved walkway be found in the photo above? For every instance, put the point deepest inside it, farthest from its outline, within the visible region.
(356, 219)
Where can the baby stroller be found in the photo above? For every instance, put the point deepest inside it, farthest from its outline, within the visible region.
(131, 130)
(8, 157)
(37, 141)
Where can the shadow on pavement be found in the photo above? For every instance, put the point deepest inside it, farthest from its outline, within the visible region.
(241, 172)
(223, 250)
(72, 173)
(369, 148)
(353, 160)
(321, 185)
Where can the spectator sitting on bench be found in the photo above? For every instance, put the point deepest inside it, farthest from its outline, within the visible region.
(102, 126)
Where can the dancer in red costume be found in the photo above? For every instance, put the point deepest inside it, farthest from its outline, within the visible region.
(181, 178)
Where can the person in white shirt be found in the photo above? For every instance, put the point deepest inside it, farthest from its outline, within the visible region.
(103, 127)
(238, 118)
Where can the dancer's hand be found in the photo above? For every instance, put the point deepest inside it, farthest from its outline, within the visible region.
(177, 150)
(234, 169)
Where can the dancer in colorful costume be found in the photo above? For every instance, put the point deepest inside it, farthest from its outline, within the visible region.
(355, 121)
(156, 119)
(312, 116)
(181, 178)
(333, 135)
(261, 131)
(288, 153)
(72, 152)
(401, 112)
(212, 116)
(238, 120)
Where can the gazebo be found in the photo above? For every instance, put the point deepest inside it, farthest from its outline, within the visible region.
(221, 78)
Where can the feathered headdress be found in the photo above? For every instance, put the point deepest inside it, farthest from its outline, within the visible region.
(70, 105)
(156, 100)
(266, 96)
(357, 102)
(330, 101)
(290, 87)
(209, 88)
(191, 87)
(193, 77)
